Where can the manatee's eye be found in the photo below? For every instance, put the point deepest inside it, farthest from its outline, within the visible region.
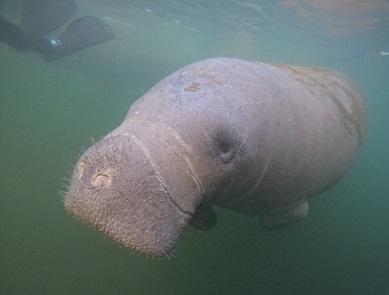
(227, 152)
(226, 144)
(224, 148)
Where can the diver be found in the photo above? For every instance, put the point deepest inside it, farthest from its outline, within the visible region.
(41, 17)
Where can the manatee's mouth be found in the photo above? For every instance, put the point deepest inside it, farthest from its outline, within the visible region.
(150, 230)
(118, 192)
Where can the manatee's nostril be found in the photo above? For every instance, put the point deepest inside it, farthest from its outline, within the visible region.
(101, 179)
(80, 169)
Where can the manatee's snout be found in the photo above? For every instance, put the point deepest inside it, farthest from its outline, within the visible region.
(116, 189)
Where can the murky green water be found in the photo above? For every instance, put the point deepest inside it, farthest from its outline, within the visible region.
(49, 111)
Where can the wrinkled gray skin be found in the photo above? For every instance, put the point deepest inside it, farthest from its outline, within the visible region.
(251, 137)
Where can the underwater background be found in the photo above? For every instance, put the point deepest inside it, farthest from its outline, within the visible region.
(50, 110)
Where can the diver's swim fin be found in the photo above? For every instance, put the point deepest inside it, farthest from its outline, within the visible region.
(41, 17)
(81, 33)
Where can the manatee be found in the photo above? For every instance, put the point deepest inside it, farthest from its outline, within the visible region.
(252, 137)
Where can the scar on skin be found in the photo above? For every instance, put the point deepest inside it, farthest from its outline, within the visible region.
(193, 87)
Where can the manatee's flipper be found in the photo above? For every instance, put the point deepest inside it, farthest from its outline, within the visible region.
(284, 217)
(81, 33)
(204, 218)
(41, 17)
